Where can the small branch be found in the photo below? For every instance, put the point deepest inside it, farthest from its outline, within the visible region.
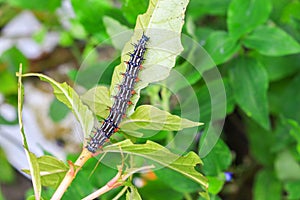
(117, 181)
(71, 174)
(120, 193)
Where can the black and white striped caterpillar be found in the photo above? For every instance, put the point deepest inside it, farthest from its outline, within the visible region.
(122, 99)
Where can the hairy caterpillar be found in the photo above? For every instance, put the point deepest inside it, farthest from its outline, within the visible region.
(122, 99)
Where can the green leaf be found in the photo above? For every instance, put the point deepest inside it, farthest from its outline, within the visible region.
(7, 172)
(66, 39)
(57, 110)
(8, 83)
(249, 81)
(155, 152)
(278, 7)
(271, 41)
(206, 100)
(177, 181)
(162, 22)
(131, 9)
(245, 15)
(286, 166)
(52, 170)
(31, 158)
(208, 7)
(218, 159)
(216, 183)
(260, 149)
(152, 118)
(221, 46)
(281, 138)
(274, 65)
(113, 29)
(291, 11)
(286, 99)
(292, 188)
(159, 191)
(98, 100)
(70, 98)
(12, 59)
(90, 14)
(294, 132)
(93, 71)
(267, 186)
(133, 194)
(9, 62)
(1, 196)
(37, 4)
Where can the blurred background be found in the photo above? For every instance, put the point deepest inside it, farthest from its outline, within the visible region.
(255, 45)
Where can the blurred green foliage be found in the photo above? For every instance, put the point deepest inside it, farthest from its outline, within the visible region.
(255, 45)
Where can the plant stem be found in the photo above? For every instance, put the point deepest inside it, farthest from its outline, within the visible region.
(120, 193)
(117, 181)
(71, 174)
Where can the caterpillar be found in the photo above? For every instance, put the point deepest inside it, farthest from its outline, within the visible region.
(110, 125)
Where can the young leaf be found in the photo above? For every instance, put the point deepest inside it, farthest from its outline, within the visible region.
(245, 15)
(221, 46)
(155, 152)
(70, 98)
(271, 41)
(33, 165)
(152, 118)
(162, 22)
(249, 81)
